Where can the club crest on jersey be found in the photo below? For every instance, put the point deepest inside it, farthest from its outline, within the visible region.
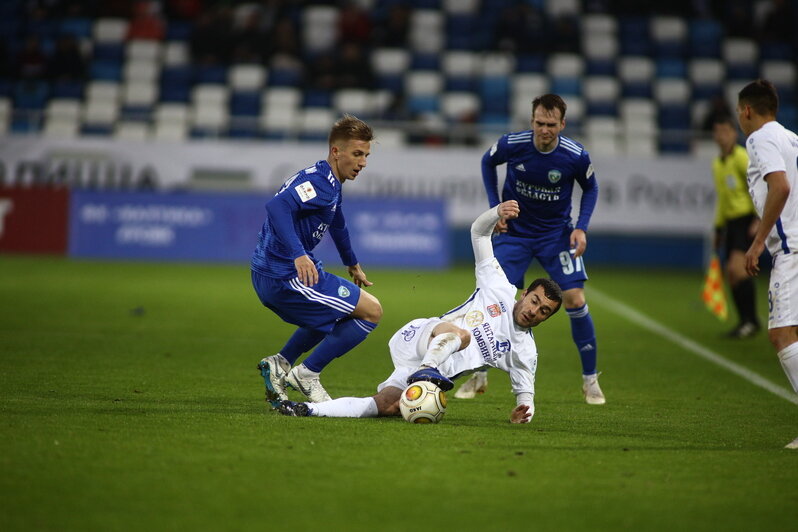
(409, 333)
(343, 291)
(554, 176)
(474, 317)
(494, 310)
(305, 191)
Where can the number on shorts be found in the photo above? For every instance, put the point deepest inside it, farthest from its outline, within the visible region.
(770, 301)
(570, 266)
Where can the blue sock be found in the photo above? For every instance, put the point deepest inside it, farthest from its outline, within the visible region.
(344, 336)
(584, 335)
(302, 341)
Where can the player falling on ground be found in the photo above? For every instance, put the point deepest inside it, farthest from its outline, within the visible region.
(490, 329)
(773, 185)
(735, 222)
(542, 167)
(331, 312)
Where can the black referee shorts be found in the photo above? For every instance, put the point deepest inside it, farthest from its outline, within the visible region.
(737, 233)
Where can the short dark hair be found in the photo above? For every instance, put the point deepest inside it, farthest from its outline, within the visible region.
(350, 127)
(550, 102)
(724, 118)
(761, 95)
(550, 289)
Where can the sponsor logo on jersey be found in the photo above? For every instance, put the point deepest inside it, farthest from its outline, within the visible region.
(494, 310)
(474, 318)
(305, 191)
(409, 333)
(520, 167)
(343, 291)
(554, 176)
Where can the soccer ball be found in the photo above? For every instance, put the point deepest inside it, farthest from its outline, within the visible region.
(422, 402)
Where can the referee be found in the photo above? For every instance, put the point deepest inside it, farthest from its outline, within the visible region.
(735, 222)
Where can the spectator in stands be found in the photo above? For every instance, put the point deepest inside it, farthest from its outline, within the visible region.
(522, 28)
(323, 73)
(67, 62)
(566, 36)
(183, 9)
(354, 24)
(392, 32)
(250, 39)
(146, 22)
(285, 52)
(737, 16)
(353, 70)
(31, 63)
(778, 24)
(211, 38)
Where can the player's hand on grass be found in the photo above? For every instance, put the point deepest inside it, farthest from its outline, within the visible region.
(358, 276)
(306, 270)
(521, 414)
(578, 242)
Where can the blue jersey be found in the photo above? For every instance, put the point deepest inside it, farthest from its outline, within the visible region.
(298, 217)
(541, 183)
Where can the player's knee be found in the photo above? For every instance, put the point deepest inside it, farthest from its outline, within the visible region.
(368, 308)
(574, 298)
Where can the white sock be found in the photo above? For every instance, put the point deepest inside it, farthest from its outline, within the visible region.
(440, 348)
(789, 361)
(345, 407)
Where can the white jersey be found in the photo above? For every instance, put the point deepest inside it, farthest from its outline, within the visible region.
(496, 340)
(772, 148)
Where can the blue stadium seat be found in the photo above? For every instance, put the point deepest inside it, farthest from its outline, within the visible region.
(317, 98)
(670, 67)
(601, 67)
(776, 50)
(68, 89)
(566, 86)
(425, 61)
(531, 63)
(31, 95)
(245, 103)
(25, 125)
(283, 77)
(105, 70)
(423, 103)
(463, 33)
(179, 30)
(78, 27)
(391, 82)
(103, 130)
(633, 34)
(210, 74)
(6, 87)
(109, 52)
(244, 130)
(704, 37)
(494, 93)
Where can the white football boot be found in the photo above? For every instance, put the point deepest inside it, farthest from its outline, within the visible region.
(792, 445)
(273, 369)
(307, 382)
(592, 390)
(477, 383)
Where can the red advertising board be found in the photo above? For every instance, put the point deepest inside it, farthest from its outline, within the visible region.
(34, 219)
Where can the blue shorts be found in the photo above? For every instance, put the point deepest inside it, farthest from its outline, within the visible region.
(316, 307)
(515, 254)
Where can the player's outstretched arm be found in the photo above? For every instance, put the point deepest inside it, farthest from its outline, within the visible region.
(482, 228)
(358, 275)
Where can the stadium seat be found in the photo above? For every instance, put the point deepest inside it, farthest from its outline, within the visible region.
(141, 50)
(31, 95)
(314, 124)
(68, 89)
(108, 91)
(317, 98)
(523, 89)
(461, 7)
(64, 109)
(100, 113)
(5, 113)
(633, 34)
(706, 76)
(245, 103)
(426, 33)
(210, 74)
(358, 102)
(143, 70)
(319, 28)
(599, 24)
(636, 73)
(600, 51)
(279, 122)
(210, 94)
(176, 53)
(460, 68)
(78, 27)
(670, 67)
(247, 77)
(574, 113)
(559, 8)
(135, 131)
(602, 136)
(496, 64)
(668, 36)
(61, 128)
(281, 98)
(460, 106)
(782, 75)
(110, 30)
(601, 95)
(105, 70)
(170, 131)
(741, 57)
(208, 120)
(705, 36)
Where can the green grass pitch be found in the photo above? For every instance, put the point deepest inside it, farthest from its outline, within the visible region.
(129, 400)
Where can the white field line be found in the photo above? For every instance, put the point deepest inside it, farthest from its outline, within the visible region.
(644, 321)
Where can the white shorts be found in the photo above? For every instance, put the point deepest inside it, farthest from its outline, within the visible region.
(408, 346)
(783, 292)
